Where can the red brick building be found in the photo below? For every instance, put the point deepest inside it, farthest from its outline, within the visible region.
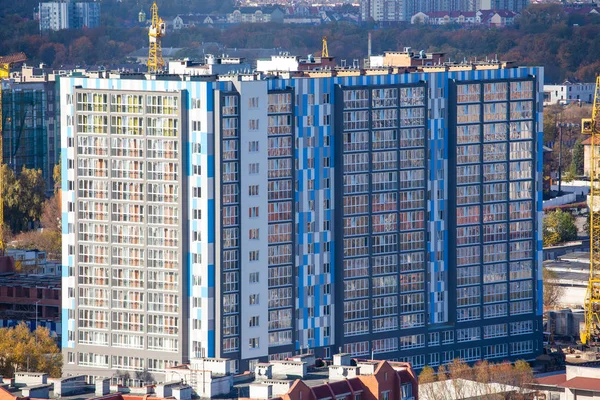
(390, 381)
(30, 298)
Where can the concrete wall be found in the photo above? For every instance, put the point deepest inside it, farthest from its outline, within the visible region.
(216, 366)
(37, 391)
(69, 386)
(260, 391)
(288, 368)
(341, 372)
(30, 378)
(559, 201)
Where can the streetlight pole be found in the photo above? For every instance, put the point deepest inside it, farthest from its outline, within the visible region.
(36, 320)
(560, 129)
(560, 126)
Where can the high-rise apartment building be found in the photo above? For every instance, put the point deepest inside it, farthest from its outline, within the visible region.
(382, 10)
(387, 212)
(58, 15)
(510, 5)
(30, 115)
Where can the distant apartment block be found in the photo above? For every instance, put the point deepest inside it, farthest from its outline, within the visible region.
(391, 212)
(59, 15)
(500, 18)
(404, 10)
(568, 93)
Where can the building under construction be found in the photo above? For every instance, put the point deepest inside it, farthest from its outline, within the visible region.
(30, 120)
(34, 299)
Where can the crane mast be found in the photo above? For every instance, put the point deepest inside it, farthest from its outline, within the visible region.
(155, 33)
(325, 50)
(591, 126)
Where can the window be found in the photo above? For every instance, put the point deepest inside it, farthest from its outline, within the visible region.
(253, 146)
(253, 255)
(253, 124)
(253, 299)
(253, 190)
(253, 168)
(254, 321)
(253, 212)
(253, 343)
(254, 277)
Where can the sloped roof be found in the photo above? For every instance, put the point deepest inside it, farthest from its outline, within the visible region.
(552, 380)
(582, 383)
(588, 141)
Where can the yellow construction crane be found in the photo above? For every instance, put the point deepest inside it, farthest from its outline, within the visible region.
(155, 33)
(5, 64)
(325, 51)
(591, 126)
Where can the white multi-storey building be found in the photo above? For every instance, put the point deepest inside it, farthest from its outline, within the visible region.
(391, 211)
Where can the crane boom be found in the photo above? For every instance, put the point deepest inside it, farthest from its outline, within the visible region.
(155, 33)
(591, 126)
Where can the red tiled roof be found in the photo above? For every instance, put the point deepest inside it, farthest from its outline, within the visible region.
(322, 392)
(340, 388)
(552, 379)
(356, 384)
(588, 141)
(582, 383)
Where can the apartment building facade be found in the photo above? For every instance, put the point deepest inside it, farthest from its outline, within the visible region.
(59, 15)
(392, 215)
(31, 130)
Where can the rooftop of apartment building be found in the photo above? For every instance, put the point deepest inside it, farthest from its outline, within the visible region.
(38, 386)
(30, 280)
(210, 377)
(288, 66)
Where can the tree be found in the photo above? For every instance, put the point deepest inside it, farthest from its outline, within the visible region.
(21, 349)
(56, 175)
(578, 158)
(51, 215)
(501, 374)
(482, 374)
(426, 382)
(552, 292)
(558, 227)
(459, 372)
(522, 378)
(24, 197)
(44, 240)
(427, 386)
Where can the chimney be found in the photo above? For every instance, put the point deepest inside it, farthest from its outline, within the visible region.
(102, 387)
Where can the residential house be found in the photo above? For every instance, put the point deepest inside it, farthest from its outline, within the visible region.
(496, 18)
(189, 21)
(256, 15)
(366, 379)
(444, 17)
(569, 92)
(577, 382)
